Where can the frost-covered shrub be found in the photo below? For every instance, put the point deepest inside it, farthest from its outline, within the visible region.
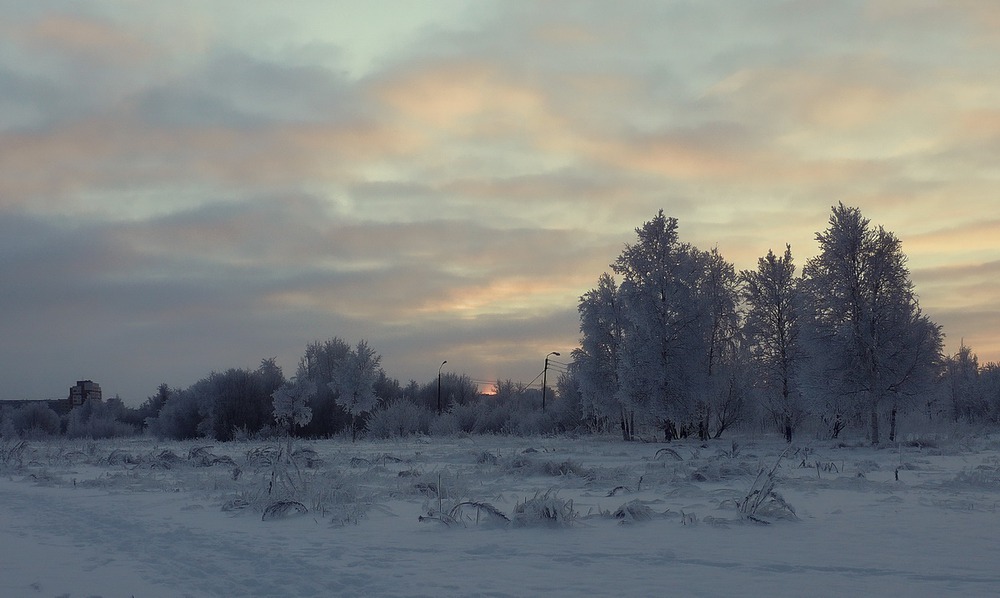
(183, 416)
(397, 419)
(465, 416)
(32, 420)
(491, 418)
(531, 423)
(98, 419)
(445, 425)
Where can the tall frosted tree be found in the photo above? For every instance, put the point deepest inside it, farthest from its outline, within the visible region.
(354, 381)
(595, 363)
(961, 376)
(720, 378)
(879, 348)
(772, 329)
(663, 323)
(663, 346)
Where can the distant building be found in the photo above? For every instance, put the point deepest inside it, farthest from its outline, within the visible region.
(84, 390)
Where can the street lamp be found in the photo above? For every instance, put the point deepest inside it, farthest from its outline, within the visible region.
(545, 372)
(439, 385)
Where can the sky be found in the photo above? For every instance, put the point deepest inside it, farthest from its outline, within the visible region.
(191, 186)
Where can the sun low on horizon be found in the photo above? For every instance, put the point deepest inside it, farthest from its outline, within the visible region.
(190, 187)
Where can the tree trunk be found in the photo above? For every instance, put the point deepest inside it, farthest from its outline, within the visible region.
(628, 428)
(874, 427)
(788, 428)
(892, 425)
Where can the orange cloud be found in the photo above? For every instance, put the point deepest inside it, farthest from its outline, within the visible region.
(75, 36)
(978, 237)
(451, 96)
(55, 167)
(505, 295)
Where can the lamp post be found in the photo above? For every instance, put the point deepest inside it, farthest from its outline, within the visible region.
(545, 373)
(439, 385)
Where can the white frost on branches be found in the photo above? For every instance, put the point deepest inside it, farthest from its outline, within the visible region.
(291, 406)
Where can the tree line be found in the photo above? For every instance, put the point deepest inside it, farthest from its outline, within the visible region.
(675, 339)
(674, 342)
(337, 388)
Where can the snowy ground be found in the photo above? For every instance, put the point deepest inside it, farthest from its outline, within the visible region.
(146, 519)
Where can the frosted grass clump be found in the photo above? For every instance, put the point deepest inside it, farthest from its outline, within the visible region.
(546, 509)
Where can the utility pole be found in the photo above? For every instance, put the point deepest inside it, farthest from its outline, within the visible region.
(439, 385)
(545, 373)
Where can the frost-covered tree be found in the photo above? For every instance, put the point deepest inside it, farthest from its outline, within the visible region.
(989, 388)
(772, 329)
(595, 363)
(961, 376)
(291, 404)
(242, 399)
(291, 408)
(877, 346)
(721, 384)
(318, 365)
(354, 382)
(664, 345)
(185, 413)
(662, 350)
(456, 389)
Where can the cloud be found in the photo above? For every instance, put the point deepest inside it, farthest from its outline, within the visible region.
(218, 186)
(77, 38)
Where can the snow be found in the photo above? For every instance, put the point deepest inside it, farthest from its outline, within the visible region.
(109, 519)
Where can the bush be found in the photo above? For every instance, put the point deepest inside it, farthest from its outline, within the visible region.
(398, 419)
(97, 419)
(444, 425)
(183, 416)
(532, 423)
(33, 420)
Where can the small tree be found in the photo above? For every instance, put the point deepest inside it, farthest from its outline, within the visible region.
(354, 381)
(291, 407)
(318, 364)
(291, 404)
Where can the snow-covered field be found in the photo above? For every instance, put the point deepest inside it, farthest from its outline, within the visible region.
(587, 517)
